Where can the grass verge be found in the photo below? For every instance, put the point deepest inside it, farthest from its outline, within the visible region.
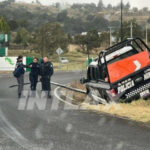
(77, 60)
(137, 110)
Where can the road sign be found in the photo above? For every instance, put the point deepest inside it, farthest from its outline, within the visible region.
(4, 38)
(3, 51)
(59, 51)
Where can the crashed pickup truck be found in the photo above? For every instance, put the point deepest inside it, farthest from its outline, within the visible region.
(120, 73)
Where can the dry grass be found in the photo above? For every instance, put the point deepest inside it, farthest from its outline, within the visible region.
(137, 110)
(134, 111)
(69, 66)
(78, 96)
(27, 53)
(73, 48)
(5, 72)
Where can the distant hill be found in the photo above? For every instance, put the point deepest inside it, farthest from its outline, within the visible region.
(75, 19)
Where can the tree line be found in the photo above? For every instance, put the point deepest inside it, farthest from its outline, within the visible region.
(45, 32)
(50, 36)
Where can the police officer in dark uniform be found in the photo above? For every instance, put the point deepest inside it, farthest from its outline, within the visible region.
(46, 71)
(33, 76)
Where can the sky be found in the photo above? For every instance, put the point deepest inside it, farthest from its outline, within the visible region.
(134, 3)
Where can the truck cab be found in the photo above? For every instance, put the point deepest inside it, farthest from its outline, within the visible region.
(120, 73)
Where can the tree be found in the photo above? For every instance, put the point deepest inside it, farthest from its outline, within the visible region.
(90, 7)
(22, 23)
(22, 37)
(100, 5)
(89, 41)
(118, 6)
(13, 25)
(38, 2)
(58, 5)
(62, 16)
(109, 6)
(70, 39)
(145, 9)
(81, 41)
(135, 9)
(4, 27)
(50, 37)
(93, 40)
(11, 1)
(105, 38)
(127, 6)
(137, 30)
(99, 23)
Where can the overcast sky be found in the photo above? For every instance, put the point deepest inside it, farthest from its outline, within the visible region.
(134, 3)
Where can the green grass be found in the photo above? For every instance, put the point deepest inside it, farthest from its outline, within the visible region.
(77, 60)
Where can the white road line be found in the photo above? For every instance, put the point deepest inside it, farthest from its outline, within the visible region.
(58, 97)
(67, 96)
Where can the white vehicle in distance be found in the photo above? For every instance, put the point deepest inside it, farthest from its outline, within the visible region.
(64, 60)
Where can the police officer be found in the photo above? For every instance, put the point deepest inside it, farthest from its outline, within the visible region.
(33, 76)
(19, 74)
(46, 71)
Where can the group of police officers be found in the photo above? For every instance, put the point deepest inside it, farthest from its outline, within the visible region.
(43, 71)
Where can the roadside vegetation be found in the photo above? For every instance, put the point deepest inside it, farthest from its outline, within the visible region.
(77, 60)
(136, 110)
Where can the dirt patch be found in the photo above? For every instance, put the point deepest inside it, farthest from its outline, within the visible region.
(5, 72)
(73, 48)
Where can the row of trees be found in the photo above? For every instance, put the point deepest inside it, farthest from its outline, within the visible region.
(94, 39)
(78, 25)
(51, 36)
(100, 6)
(46, 39)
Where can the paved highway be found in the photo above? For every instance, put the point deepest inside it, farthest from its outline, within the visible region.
(61, 126)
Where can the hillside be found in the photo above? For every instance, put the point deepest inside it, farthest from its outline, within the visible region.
(75, 19)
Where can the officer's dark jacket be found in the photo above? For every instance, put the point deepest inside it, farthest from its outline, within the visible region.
(35, 69)
(46, 69)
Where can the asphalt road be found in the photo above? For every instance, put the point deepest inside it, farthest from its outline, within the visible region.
(61, 126)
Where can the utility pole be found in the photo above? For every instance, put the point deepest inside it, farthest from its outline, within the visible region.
(146, 35)
(42, 47)
(110, 31)
(131, 29)
(121, 21)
